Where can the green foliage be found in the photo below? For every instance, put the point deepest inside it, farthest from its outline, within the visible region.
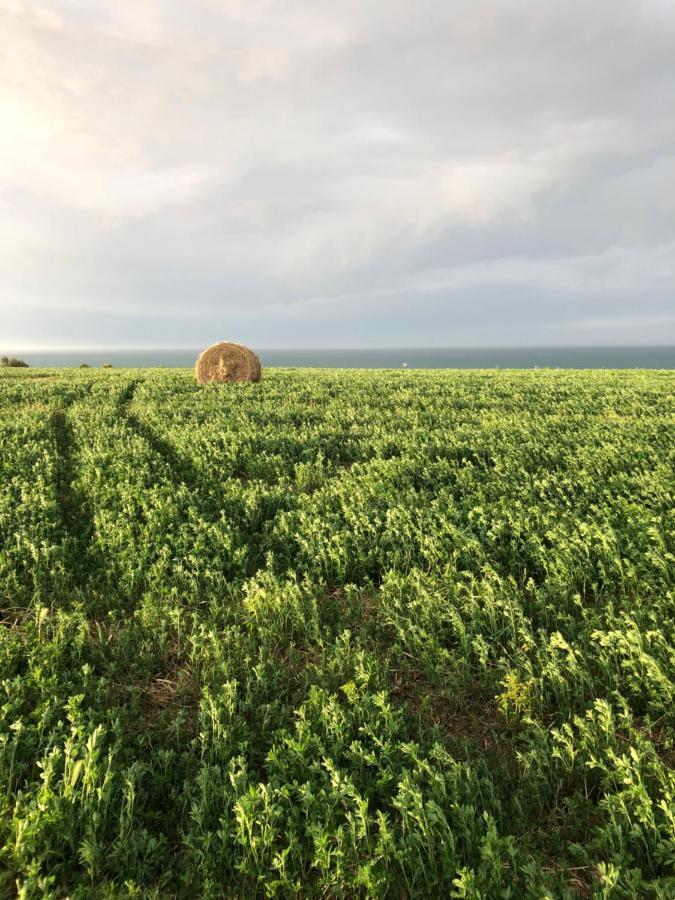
(11, 362)
(515, 700)
(339, 634)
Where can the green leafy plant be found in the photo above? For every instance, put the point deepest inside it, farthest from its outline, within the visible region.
(346, 634)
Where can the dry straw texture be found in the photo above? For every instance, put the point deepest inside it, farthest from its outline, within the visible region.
(228, 362)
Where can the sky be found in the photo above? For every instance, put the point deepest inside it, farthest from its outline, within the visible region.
(352, 174)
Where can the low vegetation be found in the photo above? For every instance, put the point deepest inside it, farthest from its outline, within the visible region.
(337, 634)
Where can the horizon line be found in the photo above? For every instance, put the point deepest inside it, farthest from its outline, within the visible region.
(197, 349)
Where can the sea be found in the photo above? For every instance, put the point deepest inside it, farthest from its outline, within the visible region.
(389, 358)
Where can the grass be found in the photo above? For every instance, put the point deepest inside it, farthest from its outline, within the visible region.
(342, 633)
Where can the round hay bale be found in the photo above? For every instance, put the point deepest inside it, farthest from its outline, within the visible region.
(227, 362)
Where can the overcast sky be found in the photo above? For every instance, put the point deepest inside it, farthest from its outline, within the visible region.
(391, 172)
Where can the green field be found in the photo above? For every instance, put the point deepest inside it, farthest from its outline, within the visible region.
(339, 634)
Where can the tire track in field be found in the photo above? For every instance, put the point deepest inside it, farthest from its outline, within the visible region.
(203, 492)
(83, 559)
(77, 514)
(125, 397)
(182, 469)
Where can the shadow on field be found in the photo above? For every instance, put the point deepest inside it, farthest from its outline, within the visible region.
(182, 469)
(77, 514)
(126, 396)
(207, 495)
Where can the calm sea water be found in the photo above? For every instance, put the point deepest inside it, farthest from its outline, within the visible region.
(394, 358)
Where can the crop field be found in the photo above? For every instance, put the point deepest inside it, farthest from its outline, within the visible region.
(337, 634)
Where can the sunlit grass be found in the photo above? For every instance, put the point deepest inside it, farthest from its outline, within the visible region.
(337, 634)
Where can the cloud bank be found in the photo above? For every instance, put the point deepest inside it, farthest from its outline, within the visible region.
(319, 174)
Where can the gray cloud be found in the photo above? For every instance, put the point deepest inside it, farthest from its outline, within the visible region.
(315, 174)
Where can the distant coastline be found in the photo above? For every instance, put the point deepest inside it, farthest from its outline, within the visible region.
(394, 358)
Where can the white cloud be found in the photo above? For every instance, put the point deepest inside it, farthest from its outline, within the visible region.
(265, 154)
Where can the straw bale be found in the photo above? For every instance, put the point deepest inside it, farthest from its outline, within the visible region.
(228, 362)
